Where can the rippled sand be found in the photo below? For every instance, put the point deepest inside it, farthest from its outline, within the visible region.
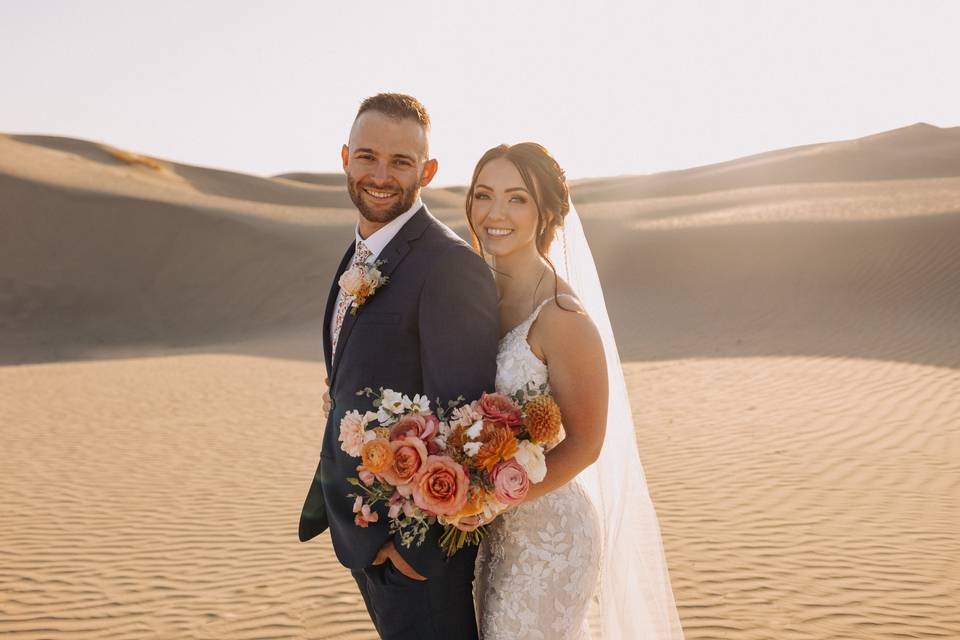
(792, 351)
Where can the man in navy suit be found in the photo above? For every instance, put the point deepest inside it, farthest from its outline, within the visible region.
(431, 329)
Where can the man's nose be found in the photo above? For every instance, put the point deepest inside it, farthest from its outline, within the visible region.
(380, 174)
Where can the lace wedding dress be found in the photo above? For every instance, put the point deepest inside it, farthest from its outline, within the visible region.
(539, 565)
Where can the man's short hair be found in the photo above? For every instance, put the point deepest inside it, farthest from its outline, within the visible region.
(397, 105)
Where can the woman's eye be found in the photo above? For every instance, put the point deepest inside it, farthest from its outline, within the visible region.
(518, 199)
(481, 196)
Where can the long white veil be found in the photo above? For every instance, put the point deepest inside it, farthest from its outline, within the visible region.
(635, 598)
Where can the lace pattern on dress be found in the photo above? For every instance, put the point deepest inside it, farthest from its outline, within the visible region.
(539, 564)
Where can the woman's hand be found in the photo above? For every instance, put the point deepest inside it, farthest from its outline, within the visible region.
(474, 522)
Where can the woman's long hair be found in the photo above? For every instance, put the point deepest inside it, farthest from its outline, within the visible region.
(546, 182)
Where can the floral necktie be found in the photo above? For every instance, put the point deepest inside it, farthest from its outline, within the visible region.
(360, 256)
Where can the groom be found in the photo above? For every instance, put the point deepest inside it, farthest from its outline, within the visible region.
(430, 329)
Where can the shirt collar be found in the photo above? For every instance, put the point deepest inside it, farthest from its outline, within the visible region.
(380, 238)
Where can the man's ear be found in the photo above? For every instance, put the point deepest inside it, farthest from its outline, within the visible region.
(429, 170)
(345, 156)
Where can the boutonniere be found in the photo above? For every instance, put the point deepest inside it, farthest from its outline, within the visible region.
(362, 281)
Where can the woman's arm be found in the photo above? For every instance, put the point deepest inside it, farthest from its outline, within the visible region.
(572, 348)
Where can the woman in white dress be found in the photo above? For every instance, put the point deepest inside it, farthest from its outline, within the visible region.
(541, 564)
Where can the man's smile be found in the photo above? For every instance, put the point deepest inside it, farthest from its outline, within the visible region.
(379, 194)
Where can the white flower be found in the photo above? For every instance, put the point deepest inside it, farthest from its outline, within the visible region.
(392, 400)
(531, 458)
(419, 405)
(385, 418)
(471, 448)
(372, 277)
(474, 432)
(353, 432)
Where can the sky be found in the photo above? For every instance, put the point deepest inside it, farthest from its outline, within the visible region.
(611, 88)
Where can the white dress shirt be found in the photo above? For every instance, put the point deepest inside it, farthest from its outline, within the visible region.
(376, 243)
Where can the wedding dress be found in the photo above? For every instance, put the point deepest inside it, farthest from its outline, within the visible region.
(594, 541)
(539, 564)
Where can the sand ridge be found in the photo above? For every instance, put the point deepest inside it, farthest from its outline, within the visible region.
(788, 323)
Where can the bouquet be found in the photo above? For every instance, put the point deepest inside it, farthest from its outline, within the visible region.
(465, 459)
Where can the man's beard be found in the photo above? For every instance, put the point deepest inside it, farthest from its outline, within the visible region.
(404, 202)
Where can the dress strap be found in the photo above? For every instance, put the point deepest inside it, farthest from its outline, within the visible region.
(536, 312)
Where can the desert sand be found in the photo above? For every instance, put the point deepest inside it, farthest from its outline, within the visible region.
(789, 325)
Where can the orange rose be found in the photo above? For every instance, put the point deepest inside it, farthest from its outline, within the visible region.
(441, 487)
(409, 455)
(377, 455)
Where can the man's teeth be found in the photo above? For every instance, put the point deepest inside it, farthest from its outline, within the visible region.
(383, 195)
(499, 232)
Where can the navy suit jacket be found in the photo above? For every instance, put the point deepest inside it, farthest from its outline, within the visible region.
(431, 329)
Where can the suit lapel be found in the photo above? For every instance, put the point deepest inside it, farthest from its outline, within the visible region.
(331, 305)
(392, 255)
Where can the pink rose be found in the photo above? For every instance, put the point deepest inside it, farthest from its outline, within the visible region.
(423, 427)
(441, 486)
(510, 482)
(409, 455)
(432, 428)
(412, 425)
(497, 407)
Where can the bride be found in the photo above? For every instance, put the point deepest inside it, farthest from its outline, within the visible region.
(587, 533)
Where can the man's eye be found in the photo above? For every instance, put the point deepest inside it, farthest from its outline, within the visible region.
(402, 163)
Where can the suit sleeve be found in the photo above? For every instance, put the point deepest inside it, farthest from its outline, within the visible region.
(459, 330)
(459, 326)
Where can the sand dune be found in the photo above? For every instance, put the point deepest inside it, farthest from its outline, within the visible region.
(790, 327)
(917, 151)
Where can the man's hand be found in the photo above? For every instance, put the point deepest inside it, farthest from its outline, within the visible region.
(326, 399)
(389, 552)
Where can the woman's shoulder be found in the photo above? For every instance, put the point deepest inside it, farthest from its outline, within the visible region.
(563, 323)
